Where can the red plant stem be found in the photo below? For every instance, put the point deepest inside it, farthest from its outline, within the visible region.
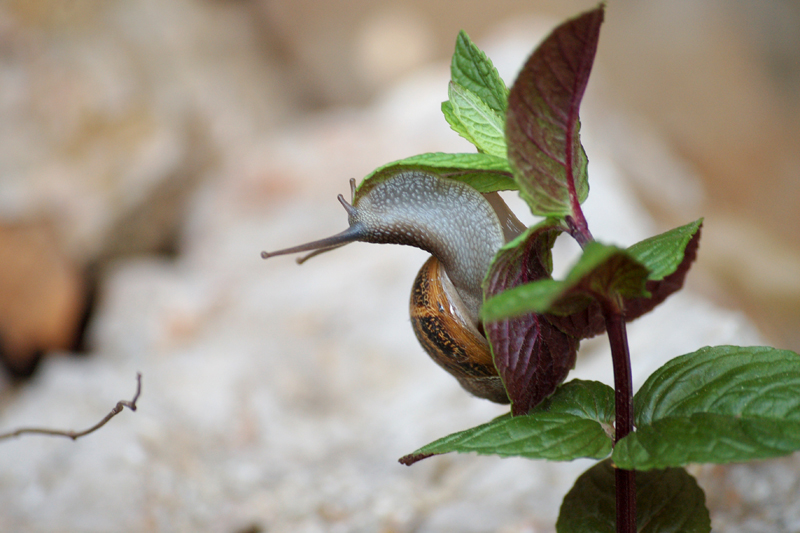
(578, 227)
(623, 385)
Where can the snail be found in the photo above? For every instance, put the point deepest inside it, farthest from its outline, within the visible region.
(462, 229)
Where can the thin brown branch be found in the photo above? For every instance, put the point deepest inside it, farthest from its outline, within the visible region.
(77, 434)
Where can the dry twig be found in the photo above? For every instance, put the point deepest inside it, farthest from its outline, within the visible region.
(77, 434)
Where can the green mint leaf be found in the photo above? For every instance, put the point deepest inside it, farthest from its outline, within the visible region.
(663, 253)
(480, 99)
(592, 400)
(536, 297)
(531, 356)
(455, 123)
(748, 381)
(706, 438)
(483, 125)
(471, 69)
(542, 123)
(574, 422)
(667, 501)
(484, 172)
(719, 404)
(602, 272)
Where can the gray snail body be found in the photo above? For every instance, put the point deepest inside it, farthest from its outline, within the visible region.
(462, 229)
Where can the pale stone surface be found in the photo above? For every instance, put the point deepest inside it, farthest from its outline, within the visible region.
(281, 396)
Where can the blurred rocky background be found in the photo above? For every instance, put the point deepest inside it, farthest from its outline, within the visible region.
(149, 150)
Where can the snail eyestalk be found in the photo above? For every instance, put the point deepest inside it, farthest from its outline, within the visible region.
(351, 211)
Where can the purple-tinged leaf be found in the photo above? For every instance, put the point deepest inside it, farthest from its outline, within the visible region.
(542, 123)
(662, 254)
(589, 322)
(659, 290)
(583, 324)
(602, 273)
(531, 356)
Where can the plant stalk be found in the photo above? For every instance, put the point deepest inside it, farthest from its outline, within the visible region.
(578, 227)
(623, 386)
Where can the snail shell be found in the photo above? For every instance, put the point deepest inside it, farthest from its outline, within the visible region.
(450, 340)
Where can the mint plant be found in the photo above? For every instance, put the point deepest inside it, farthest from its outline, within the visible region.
(720, 404)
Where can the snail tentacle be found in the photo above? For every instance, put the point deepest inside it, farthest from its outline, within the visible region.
(354, 233)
